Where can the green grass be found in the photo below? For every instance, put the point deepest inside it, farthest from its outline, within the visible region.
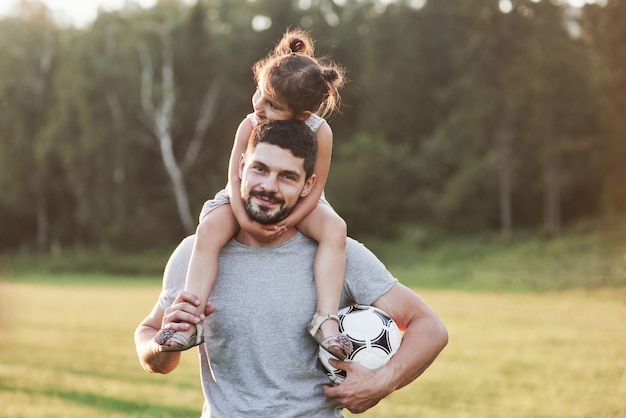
(66, 350)
(582, 258)
(586, 256)
(86, 263)
(536, 331)
(545, 355)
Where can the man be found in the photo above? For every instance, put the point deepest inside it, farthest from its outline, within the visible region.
(263, 362)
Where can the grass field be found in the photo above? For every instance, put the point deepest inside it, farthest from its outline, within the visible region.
(66, 350)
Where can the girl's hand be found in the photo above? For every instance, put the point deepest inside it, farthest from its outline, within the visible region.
(264, 232)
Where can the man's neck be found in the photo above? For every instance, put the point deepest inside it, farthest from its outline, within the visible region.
(246, 238)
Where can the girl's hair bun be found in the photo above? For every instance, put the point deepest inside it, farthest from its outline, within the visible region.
(330, 74)
(297, 46)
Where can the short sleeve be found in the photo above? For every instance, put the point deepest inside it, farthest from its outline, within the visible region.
(366, 278)
(220, 199)
(175, 272)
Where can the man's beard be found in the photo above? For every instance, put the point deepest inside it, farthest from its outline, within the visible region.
(261, 214)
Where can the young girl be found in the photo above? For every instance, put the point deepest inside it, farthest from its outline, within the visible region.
(291, 84)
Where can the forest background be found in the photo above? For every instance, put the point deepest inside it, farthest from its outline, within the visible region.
(460, 118)
(480, 153)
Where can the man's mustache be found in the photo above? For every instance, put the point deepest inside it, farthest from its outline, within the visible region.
(271, 196)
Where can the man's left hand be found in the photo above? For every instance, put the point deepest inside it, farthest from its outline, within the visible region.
(362, 389)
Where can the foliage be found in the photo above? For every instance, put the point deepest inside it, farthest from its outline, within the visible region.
(458, 117)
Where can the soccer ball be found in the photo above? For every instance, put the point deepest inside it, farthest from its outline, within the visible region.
(374, 335)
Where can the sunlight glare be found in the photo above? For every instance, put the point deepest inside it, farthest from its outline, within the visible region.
(261, 23)
(505, 6)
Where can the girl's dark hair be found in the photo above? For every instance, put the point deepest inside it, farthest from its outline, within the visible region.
(292, 73)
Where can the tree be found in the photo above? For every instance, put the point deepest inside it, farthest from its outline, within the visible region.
(94, 132)
(159, 117)
(561, 115)
(457, 116)
(606, 34)
(28, 55)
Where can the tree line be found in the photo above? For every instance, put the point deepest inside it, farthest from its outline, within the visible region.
(459, 116)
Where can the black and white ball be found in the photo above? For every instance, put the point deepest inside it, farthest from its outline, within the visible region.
(375, 336)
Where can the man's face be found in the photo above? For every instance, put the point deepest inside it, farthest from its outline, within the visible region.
(272, 181)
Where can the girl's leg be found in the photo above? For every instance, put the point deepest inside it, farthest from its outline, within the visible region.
(329, 230)
(212, 234)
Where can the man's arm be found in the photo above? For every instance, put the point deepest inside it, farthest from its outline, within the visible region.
(180, 316)
(150, 358)
(424, 338)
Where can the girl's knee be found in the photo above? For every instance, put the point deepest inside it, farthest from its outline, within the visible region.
(215, 230)
(340, 225)
(204, 228)
(336, 229)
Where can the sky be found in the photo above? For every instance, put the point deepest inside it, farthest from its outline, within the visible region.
(82, 12)
(77, 12)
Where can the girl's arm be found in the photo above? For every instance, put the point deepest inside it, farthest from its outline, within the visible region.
(234, 182)
(306, 204)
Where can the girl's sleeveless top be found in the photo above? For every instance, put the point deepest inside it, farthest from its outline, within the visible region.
(313, 122)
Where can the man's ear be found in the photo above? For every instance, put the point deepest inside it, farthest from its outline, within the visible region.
(308, 186)
(303, 115)
(242, 163)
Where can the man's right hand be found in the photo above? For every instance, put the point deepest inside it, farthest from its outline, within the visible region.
(181, 315)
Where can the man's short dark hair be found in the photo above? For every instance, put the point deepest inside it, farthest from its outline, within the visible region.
(292, 135)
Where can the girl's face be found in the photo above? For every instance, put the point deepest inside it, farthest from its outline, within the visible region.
(269, 107)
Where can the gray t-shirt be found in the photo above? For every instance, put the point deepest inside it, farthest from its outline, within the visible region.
(263, 361)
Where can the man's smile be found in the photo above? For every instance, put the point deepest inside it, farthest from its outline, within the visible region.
(266, 199)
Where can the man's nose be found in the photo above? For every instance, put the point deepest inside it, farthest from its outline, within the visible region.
(271, 183)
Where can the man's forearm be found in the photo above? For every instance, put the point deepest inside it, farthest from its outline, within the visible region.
(424, 338)
(422, 342)
(151, 359)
